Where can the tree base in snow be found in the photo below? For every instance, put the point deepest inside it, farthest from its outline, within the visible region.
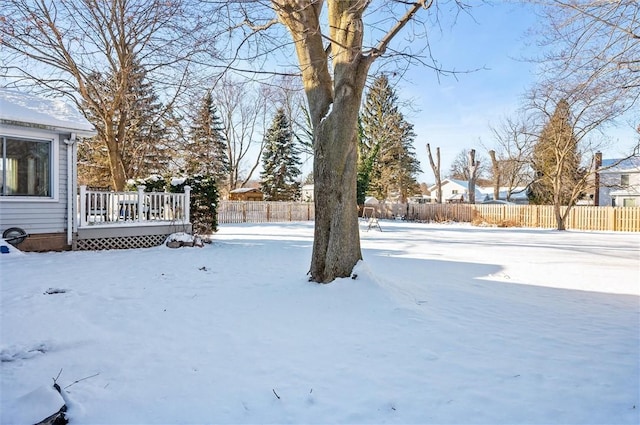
(177, 243)
(58, 418)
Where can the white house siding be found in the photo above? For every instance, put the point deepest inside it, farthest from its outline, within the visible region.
(456, 191)
(609, 185)
(611, 193)
(39, 216)
(44, 218)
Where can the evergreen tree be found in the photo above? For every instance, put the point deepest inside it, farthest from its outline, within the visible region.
(93, 164)
(280, 162)
(366, 158)
(151, 149)
(386, 131)
(145, 130)
(556, 162)
(203, 203)
(206, 148)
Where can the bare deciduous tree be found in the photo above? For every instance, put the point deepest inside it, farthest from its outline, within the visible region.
(334, 76)
(511, 155)
(473, 165)
(592, 62)
(60, 46)
(586, 116)
(594, 45)
(244, 110)
(435, 166)
(495, 171)
(333, 59)
(460, 167)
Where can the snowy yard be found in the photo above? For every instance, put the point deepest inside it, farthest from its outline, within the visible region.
(443, 324)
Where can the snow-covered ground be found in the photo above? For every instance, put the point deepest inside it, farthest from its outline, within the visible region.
(443, 324)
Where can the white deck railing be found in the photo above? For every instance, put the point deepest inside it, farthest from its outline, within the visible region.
(113, 208)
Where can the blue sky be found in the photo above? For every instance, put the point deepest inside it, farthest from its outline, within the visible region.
(456, 114)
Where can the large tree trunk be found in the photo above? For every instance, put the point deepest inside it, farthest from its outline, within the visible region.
(560, 219)
(473, 174)
(435, 166)
(495, 167)
(334, 105)
(116, 165)
(336, 245)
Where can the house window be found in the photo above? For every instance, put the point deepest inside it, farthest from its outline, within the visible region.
(624, 180)
(629, 202)
(454, 192)
(25, 169)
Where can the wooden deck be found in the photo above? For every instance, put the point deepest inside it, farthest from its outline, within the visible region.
(119, 220)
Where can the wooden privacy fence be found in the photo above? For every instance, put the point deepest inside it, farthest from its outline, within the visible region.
(263, 212)
(625, 219)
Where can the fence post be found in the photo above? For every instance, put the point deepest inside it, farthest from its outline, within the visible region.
(244, 212)
(140, 202)
(612, 218)
(187, 204)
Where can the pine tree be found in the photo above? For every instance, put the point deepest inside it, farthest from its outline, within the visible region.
(145, 130)
(206, 148)
(203, 203)
(556, 161)
(366, 158)
(386, 131)
(280, 162)
(150, 149)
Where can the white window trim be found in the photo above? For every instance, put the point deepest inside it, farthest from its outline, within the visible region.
(55, 162)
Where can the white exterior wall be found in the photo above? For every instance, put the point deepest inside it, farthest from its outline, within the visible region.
(306, 193)
(449, 189)
(611, 190)
(454, 188)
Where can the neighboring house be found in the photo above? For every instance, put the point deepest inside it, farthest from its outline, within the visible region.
(456, 191)
(38, 168)
(420, 199)
(516, 195)
(306, 193)
(246, 194)
(619, 182)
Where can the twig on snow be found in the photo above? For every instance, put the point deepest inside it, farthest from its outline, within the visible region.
(83, 379)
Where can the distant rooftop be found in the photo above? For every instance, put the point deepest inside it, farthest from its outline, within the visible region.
(618, 165)
(245, 190)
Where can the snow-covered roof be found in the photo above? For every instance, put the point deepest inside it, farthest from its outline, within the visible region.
(371, 200)
(27, 110)
(519, 192)
(620, 165)
(245, 190)
(462, 183)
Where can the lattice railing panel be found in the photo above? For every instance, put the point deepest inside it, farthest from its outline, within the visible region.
(123, 242)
